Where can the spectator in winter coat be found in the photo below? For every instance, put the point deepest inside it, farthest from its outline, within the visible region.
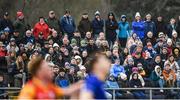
(175, 38)
(173, 64)
(20, 25)
(136, 83)
(160, 26)
(3, 51)
(171, 27)
(149, 25)
(67, 24)
(111, 26)
(53, 22)
(157, 77)
(5, 22)
(124, 30)
(28, 37)
(150, 37)
(138, 26)
(97, 24)
(41, 26)
(117, 69)
(133, 40)
(84, 25)
(169, 75)
(62, 79)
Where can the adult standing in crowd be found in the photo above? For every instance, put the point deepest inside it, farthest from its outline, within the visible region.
(149, 25)
(67, 24)
(124, 30)
(178, 26)
(41, 26)
(97, 24)
(5, 22)
(138, 26)
(53, 22)
(20, 24)
(111, 26)
(160, 25)
(171, 27)
(84, 25)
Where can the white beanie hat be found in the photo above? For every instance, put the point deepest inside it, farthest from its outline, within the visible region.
(137, 14)
(97, 13)
(55, 45)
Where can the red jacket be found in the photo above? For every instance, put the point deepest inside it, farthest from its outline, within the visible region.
(2, 53)
(44, 28)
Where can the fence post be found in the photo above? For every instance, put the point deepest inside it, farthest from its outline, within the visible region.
(114, 94)
(150, 94)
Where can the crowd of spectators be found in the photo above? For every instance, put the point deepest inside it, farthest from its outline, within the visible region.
(144, 53)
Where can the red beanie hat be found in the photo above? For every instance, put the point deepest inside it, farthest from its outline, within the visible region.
(19, 13)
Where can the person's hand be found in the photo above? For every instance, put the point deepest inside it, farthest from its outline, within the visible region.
(98, 19)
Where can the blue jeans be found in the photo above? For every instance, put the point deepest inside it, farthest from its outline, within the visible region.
(139, 95)
(161, 83)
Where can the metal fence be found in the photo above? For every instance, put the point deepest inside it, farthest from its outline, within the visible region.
(17, 89)
(150, 90)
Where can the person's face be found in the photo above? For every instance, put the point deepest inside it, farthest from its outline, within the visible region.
(55, 70)
(71, 71)
(51, 50)
(110, 17)
(164, 51)
(172, 21)
(54, 33)
(84, 54)
(85, 16)
(125, 50)
(138, 18)
(135, 76)
(61, 73)
(88, 34)
(150, 34)
(97, 16)
(176, 52)
(159, 18)
(20, 59)
(45, 71)
(91, 42)
(28, 33)
(158, 69)
(73, 61)
(51, 41)
(51, 14)
(134, 36)
(16, 33)
(175, 35)
(65, 41)
(3, 36)
(158, 59)
(123, 19)
(41, 20)
(67, 14)
(117, 62)
(131, 62)
(1, 78)
(103, 65)
(167, 67)
(148, 17)
(171, 58)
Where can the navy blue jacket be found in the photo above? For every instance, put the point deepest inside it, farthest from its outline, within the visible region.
(97, 26)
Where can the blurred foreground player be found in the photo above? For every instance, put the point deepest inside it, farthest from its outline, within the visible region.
(98, 67)
(41, 85)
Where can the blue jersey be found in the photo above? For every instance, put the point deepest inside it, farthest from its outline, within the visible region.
(95, 86)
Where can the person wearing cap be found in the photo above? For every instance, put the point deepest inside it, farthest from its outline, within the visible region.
(97, 24)
(138, 26)
(171, 27)
(149, 25)
(20, 24)
(160, 25)
(41, 26)
(53, 22)
(124, 30)
(6, 22)
(111, 26)
(84, 25)
(67, 24)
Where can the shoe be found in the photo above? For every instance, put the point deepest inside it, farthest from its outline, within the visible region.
(161, 91)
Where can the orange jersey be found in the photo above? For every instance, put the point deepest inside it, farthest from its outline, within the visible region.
(35, 89)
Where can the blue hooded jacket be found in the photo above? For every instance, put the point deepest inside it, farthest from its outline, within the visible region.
(123, 29)
(116, 70)
(67, 24)
(138, 28)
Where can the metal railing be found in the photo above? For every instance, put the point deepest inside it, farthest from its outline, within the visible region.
(17, 89)
(150, 90)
